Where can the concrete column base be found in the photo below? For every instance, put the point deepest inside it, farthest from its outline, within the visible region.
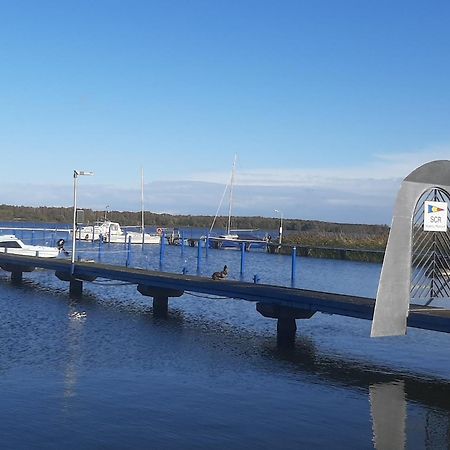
(286, 330)
(160, 306)
(76, 288)
(160, 298)
(16, 277)
(286, 326)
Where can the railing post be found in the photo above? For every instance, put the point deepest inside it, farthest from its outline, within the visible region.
(293, 265)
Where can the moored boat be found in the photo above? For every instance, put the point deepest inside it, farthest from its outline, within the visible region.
(112, 232)
(232, 238)
(11, 244)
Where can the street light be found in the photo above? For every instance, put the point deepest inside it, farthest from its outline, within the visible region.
(76, 174)
(281, 224)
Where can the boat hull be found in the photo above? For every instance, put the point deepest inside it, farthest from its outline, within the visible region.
(132, 238)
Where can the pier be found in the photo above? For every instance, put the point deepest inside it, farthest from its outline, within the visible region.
(285, 304)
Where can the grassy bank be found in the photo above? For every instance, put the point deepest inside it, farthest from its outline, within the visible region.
(352, 246)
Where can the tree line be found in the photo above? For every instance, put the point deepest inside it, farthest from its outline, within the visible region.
(61, 215)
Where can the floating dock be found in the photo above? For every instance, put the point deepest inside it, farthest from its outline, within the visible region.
(282, 303)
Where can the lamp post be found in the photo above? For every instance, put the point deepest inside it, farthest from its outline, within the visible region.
(281, 224)
(76, 174)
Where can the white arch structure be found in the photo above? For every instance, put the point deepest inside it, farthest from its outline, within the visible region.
(394, 289)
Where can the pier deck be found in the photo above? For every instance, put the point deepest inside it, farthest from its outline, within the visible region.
(283, 303)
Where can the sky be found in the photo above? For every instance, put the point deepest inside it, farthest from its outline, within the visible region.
(328, 105)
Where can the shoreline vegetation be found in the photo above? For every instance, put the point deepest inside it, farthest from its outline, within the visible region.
(313, 238)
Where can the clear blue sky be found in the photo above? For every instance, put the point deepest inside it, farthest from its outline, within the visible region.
(321, 100)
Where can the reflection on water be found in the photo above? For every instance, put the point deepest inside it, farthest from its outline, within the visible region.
(388, 408)
(405, 411)
(75, 325)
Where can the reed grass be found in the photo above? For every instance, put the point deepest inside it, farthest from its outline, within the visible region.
(352, 246)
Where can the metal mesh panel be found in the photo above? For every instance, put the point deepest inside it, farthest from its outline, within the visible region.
(430, 274)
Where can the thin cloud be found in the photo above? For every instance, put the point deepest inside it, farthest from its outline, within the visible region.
(382, 167)
(363, 194)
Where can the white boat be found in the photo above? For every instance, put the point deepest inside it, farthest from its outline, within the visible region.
(11, 244)
(111, 232)
(97, 230)
(133, 237)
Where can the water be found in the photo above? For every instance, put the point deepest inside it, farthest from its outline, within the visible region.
(102, 372)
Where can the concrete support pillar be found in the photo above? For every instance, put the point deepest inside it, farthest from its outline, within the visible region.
(76, 287)
(286, 329)
(286, 326)
(16, 276)
(160, 298)
(160, 306)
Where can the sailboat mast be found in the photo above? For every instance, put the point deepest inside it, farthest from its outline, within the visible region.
(142, 201)
(231, 194)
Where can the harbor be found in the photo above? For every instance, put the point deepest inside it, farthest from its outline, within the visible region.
(72, 352)
(225, 226)
(144, 319)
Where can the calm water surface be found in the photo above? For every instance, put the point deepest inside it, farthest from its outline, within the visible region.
(102, 372)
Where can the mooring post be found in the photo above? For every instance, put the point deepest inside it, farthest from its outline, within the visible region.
(162, 249)
(242, 258)
(206, 245)
(199, 254)
(75, 287)
(32, 236)
(182, 242)
(293, 265)
(128, 251)
(100, 243)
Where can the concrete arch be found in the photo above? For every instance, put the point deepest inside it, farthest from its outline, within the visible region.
(393, 296)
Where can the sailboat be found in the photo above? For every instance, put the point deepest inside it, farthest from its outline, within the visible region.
(231, 238)
(217, 241)
(113, 234)
(229, 232)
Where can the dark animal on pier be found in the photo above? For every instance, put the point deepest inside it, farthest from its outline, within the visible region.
(220, 275)
(60, 245)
